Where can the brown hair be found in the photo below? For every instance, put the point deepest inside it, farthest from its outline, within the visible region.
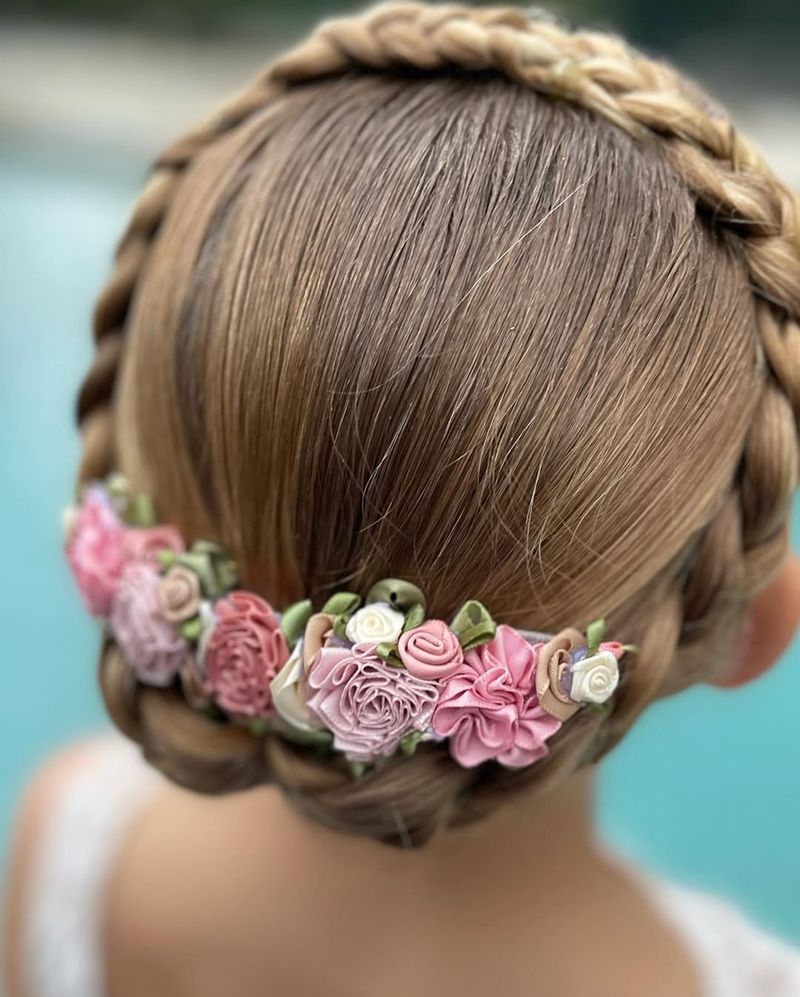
(452, 295)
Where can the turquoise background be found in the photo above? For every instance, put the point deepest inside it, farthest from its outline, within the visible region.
(705, 788)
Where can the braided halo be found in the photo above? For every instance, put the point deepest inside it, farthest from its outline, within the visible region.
(735, 192)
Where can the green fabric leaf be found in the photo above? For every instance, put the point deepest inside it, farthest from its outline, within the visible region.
(357, 769)
(140, 511)
(117, 486)
(397, 593)
(388, 653)
(258, 726)
(342, 604)
(340, 626)
(166, 558)
(191, 629)
(473, 625)
(594, 636)
(408, 744)
(414, 617)
(294, 619)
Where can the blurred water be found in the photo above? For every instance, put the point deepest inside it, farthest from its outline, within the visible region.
(705, 788)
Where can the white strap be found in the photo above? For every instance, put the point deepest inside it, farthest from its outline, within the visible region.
(74, 857)
(735, 958)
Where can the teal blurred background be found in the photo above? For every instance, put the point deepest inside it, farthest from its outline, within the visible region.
(705, 789)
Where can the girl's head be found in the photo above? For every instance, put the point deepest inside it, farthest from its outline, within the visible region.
(455, 296)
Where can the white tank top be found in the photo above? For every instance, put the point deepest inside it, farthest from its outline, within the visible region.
(62, 921)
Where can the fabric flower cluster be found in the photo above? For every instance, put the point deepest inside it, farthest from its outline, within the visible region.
(366, 678)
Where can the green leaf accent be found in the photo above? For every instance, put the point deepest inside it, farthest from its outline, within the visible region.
(208, 547)
(342, 604)
(117, 486)
(397, 593)
(340, 626)
(294, 619)
(473, 625)
(140, 511)
(414, 617)
(258, 726)
(408, 744)
(357, 769)
(166, 558)
(191, 629)
(594, 636)
(388, 653)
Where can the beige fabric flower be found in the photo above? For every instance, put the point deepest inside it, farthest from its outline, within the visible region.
(179, 594)
(553, 661)
(318, 629)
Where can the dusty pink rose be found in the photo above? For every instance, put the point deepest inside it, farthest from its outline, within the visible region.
(144, 544)
(245, 651)
(148, 641)
(430, 651)
(94, 551)
(489, 709)
(367, 704)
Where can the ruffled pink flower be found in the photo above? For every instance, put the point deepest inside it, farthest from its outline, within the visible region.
(367, 704)
(144, 544)
(430, 651)
(489, 709)
(150, 644)
(244, 653)
(94, 551)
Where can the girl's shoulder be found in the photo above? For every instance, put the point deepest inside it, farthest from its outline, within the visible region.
(71, 823)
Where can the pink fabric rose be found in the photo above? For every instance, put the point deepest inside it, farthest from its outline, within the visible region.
(148, 641)
(367, 704)
(489, 709)
(144, 544)
(430, 651)
(245, 651)
(94, 551)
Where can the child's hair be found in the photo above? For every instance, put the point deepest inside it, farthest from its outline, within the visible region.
(456, 296)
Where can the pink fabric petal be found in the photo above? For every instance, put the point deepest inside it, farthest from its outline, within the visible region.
(488, 708)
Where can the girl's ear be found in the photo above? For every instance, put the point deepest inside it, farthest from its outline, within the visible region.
(772, 620)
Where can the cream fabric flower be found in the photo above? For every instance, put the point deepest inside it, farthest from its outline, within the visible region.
(376, 623)
(594, 679)
(289, 694)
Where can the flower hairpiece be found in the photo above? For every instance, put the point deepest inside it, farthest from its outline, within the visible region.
(365, 677)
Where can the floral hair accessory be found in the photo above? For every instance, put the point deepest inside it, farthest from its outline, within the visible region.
(365, 678)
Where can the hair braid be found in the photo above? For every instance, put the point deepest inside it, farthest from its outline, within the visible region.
(736, 194)
(95, 409)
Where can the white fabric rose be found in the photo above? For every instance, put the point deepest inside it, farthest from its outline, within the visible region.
(376, 623)
(288, 693)
(594, 679)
